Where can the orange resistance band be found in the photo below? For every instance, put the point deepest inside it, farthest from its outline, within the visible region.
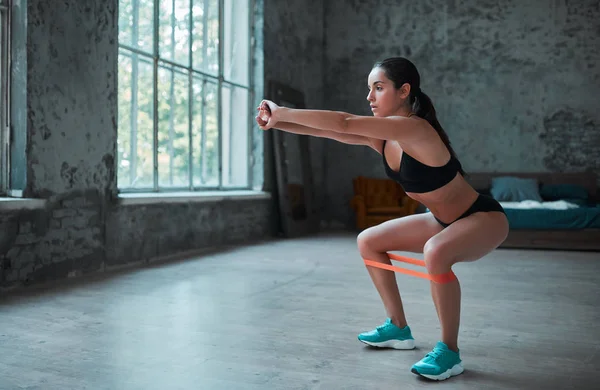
(442, 278)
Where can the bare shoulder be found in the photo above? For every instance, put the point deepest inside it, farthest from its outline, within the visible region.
(420, 132)
(420, 128)
(426, 146)
(405, 131)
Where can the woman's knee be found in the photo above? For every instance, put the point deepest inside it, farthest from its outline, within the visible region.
(438, 258)
(366, 242)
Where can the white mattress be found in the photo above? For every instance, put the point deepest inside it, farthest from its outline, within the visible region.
(534, 204)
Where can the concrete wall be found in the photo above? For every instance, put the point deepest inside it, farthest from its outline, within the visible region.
(69, 102)
(70, 107)
(515, 84)
(294, 56)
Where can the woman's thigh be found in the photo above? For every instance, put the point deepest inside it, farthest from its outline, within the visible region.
(468, 239)
(407, 234)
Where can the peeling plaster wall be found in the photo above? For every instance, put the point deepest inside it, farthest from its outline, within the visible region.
(68, 112)
(293, 46)
(143, 232)
(515, 84)
(294, 56)
(70, 103)
(72, 96)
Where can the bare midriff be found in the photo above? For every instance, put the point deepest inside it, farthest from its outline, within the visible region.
(450, 201)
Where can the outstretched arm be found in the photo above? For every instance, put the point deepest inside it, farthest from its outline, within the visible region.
(304, 130)
(384, 128)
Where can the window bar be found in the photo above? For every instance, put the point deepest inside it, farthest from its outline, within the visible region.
(8, 86)
(155, 95)
(226, 122)
(203, 158)
(3, 96)
(232, 83)
(135, 49)
(5, 129)
(251, 95)
(203, 165)
(134, 97)
(230, 153)
(220, 93)
(172, 97)
(191, 98)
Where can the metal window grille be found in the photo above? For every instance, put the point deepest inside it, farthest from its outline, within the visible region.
(185, 91)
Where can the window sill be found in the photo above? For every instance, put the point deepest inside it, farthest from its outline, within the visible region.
(147, 198)
(126, 199)
(21, 204)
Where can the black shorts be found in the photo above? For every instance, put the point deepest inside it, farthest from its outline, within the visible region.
(482, 203)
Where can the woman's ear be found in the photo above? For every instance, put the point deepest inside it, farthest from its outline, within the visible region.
(404, 90)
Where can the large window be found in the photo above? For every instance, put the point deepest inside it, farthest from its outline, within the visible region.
(4, 94)
(185, 89)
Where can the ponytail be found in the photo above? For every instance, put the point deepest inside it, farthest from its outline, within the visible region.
(423, 107)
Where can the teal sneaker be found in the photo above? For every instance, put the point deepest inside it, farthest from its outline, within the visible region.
(389, 335)
(439, 364)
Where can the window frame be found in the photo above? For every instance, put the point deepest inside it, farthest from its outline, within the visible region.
(193, 72)
(5, 85)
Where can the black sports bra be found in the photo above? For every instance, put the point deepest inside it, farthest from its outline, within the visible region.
(417, 177)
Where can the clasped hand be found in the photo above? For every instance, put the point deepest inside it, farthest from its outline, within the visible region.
(267, 114)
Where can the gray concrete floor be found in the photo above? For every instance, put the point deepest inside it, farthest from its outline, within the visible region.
(285, 315)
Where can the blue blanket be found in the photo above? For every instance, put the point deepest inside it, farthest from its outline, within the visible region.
(584, 217)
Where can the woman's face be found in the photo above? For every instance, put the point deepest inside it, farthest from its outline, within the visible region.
(384, 98)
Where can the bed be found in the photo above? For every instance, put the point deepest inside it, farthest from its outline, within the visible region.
(546, 210)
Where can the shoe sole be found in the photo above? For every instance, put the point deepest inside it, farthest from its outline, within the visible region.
(456, 370)
(395, 344)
